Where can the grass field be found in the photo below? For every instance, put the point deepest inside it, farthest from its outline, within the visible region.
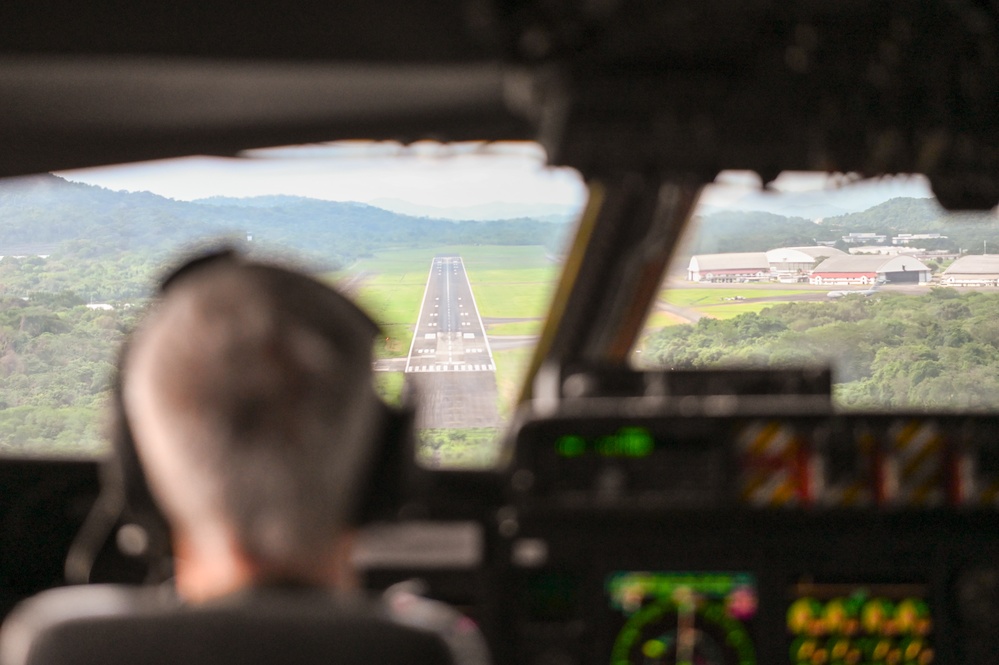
(659, 319)
(510, 282)
(700, 297)
(395, 308)
(507, 282)
(476, 258)
(397, 262)
(514, 328)
(479, 258)
(511, 365)
(523, 275)
(513, 299)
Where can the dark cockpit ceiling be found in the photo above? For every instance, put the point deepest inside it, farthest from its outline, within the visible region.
(677, 89)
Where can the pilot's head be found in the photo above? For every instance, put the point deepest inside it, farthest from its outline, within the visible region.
(248, 390)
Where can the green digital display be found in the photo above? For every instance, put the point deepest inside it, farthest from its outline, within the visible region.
(626, 442)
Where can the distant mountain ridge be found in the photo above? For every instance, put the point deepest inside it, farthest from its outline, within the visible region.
(499, 211)
(817, 204)
(99, 221)
(720, 231)
(271, 201)
(553, 212)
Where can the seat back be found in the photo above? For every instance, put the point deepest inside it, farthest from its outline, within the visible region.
(111, 625)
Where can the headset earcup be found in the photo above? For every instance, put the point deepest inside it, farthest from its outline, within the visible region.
(143, 529)
(125, 509)
(386, 486)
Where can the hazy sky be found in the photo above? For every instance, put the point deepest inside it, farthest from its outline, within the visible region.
(427, 173)
(447, 175)
(742, 190)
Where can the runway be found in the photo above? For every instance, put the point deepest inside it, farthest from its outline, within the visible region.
(450, 361)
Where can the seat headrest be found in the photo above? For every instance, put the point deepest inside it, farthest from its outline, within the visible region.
(111, 625)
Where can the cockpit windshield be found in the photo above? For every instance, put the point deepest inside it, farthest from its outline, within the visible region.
(871, 277)
(453, 249)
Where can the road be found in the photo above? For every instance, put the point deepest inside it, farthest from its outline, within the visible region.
(450, 361)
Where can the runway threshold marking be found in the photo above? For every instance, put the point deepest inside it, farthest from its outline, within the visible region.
(450, 365)
(475, 306)
(419, 317)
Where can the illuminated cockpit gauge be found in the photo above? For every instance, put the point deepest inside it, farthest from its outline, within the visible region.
(689, 618)
(844, 623)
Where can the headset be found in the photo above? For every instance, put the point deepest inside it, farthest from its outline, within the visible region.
(126, 510)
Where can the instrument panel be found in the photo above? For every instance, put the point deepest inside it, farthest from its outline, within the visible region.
(697, 531)
(765, 460)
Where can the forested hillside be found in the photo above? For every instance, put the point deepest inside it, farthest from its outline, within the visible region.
(738, 231)
(56, 362)
(937, 350)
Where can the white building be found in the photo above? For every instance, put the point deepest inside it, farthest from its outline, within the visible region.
(793, 264)
(870, 269)
(906, 238)
(734, 267)
(885, 250)
(875, 238)
(973, 270)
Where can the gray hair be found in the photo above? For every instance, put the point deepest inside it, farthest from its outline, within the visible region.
(260, 379)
